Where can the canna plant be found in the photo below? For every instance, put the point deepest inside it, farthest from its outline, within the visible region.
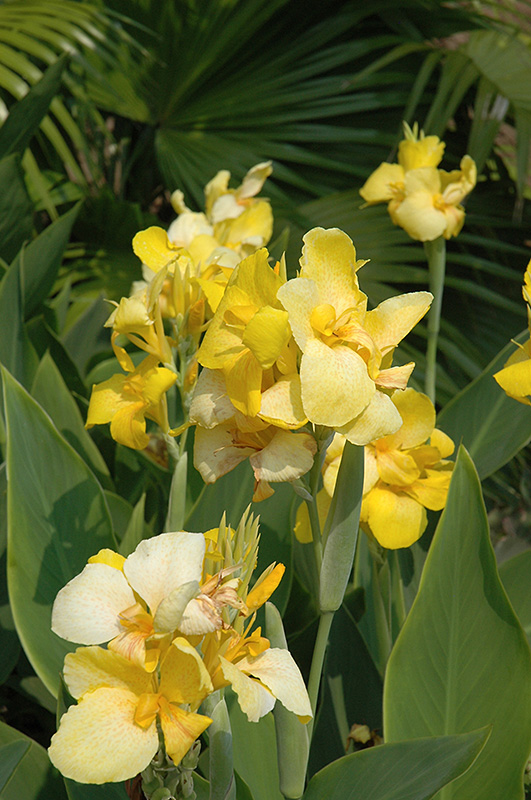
(165, 654)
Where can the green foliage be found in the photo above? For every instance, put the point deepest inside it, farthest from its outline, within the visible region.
(33, 777)
(444, 675)
(57, 519)
(401, 771)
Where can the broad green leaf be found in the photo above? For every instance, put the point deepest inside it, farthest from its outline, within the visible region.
(57, 519)
(348, 667)
(87, 337)
(51, 392)
(461, 660)
(16, 217)
(9, 642)
(515, 574)
(17, 353)
(492, 426)
(254, 751)
(25, 116)
(120, 511)
(136, 528)
(10, 756)
(41, 260)
(34, 778)
(413, 770)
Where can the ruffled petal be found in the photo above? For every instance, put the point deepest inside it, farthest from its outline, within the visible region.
(86, 609)
(515, 380)
(287, 457)
(395, 519)
(163, 563)
(336, 387)
(383, 184)
(419, 218)
(380, 418)
(277, 670)
(432, 490)
(210, 403)
(442, 442)
(243, 379)
(153, 248)
(267, 334)
(215, 453)
(184, 678)
(281, 404)
(418, 420)
(254, 699)
(299, 297)
(90, 668)
(180, 729)
(98, 740)
(329, 259)
(393, 319)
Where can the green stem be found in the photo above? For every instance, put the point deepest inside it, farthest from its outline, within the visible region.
(321, 642)
(436, 255)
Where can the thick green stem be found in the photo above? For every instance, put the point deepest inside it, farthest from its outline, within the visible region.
(325, 623)
(436, 255)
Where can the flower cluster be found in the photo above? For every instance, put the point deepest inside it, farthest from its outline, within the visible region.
(423, 200)
(515, 377)
(185, 274)
(405, 474)
(175, 616)
(280, 353)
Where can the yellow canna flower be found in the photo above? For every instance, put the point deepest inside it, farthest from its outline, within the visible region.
(111, 734)
(423, 200)
(249, 332)
(127, 400)
(134, 603)
(234, 219)
(225, 437)
(515, 377)
(345, 369)
(259, 674)
(405, 473)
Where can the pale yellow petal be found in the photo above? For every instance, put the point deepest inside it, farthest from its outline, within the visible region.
(383, 184)
(215, 453)
(180, 729)
(187, 226)
(128, 426)
(370, 473)
(255, 179)
(396, 468)
(210, 404)
(287, 457)
(86, 609)
(153, 248)
(98, 740)
(254, 227)
(90, 668)
(393, 319)
(425, 152)
(263, 591)
(254, 699)
(281, 404)
(299, 297)
(267, 334)
(243, 381)
(419, 217)
(418, 420)
(380, 418)
(329, 259)
(336, 387)
(277, 670)
(163, 563)
(184, 678)
(109, 557)
(106, 399)
(432, 490)
(442, 442)
(217, 186)
(515, 380)
(395, 519)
